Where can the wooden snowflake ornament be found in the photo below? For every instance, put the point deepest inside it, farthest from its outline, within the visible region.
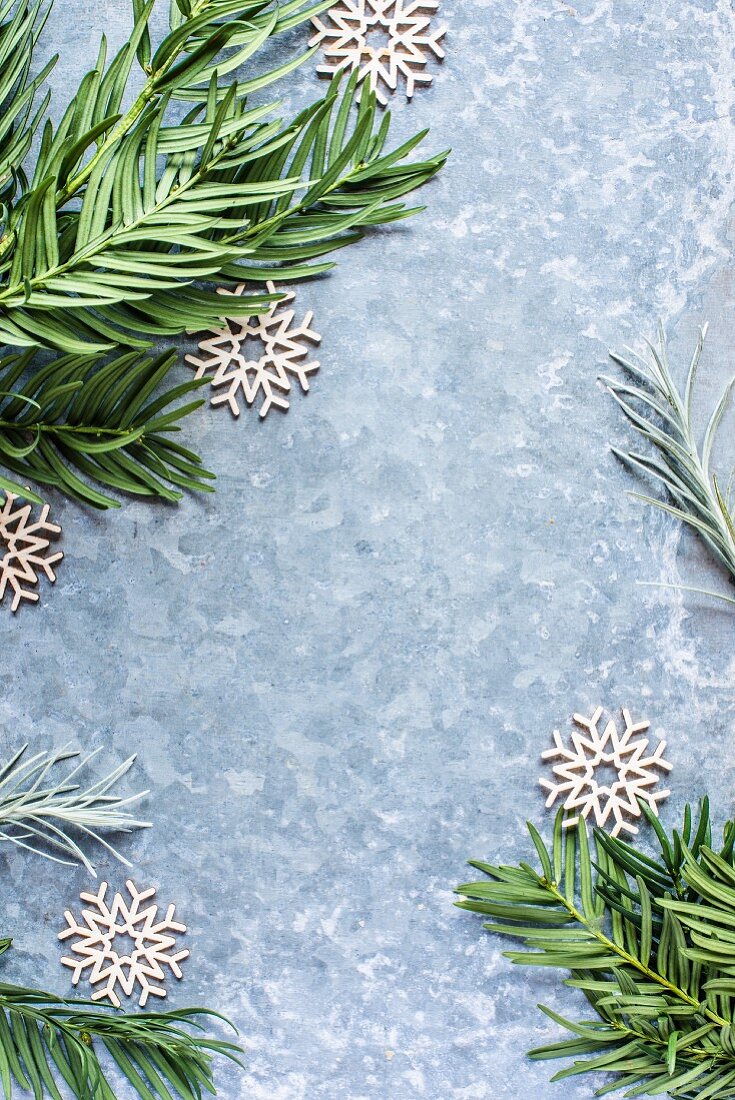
(123, 944)
(24, 546)
(284, 348)
(607, 772)
(383, 40)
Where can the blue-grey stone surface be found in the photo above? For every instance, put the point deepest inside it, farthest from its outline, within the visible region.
(340, 670)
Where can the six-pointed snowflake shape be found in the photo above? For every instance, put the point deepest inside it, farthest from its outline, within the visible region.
(148, 944)
(284, 355)
(382, 39)
(606, 772)
(23, 550)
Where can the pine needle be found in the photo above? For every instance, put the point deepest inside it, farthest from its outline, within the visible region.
(46, 1039)
(688, 588)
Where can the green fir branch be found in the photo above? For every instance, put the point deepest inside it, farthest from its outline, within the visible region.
(649, 940)
(133, 213)
(662, 415)
(48, 1043)
(84, 420)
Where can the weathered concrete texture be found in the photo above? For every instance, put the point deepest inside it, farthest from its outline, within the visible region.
(339, 671)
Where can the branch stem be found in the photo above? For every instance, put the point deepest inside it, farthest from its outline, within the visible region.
(628, 959)
(53, 429)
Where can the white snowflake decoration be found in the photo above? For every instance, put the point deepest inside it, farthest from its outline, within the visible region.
(149, 948)
(580, 774)
(382, 39)
(23, 550)
(284, 356)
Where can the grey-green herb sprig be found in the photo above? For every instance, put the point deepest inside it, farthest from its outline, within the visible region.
(649, 940)
(662, 414)
(41, 815)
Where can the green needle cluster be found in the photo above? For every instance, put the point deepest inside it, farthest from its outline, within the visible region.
(47, 1043)
(650, 941)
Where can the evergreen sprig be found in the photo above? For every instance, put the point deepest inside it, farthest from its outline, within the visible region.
(42, 815)
(650, 940)
(131, 212)
(77, 423)
(47, 1042)
(662, 414)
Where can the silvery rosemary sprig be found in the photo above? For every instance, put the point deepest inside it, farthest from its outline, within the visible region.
(663, 416)
(37, 814)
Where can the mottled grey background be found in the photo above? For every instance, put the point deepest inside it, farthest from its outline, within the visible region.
(339, 671)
